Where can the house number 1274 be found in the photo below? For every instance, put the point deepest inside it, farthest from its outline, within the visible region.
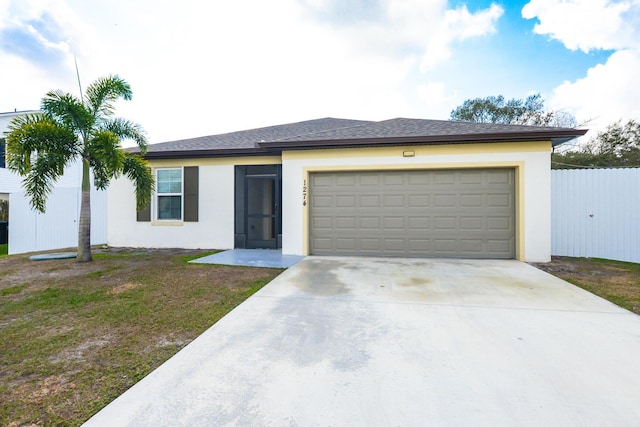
(304, 193)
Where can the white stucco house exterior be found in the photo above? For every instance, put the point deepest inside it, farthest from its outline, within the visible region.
(399, 187)
(57, 228)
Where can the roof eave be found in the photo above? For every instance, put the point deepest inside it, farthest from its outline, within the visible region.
(557, 137)
(180, 154)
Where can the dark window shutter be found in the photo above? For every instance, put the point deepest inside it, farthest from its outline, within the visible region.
(3, 164)
(144, 215)
(191, 194)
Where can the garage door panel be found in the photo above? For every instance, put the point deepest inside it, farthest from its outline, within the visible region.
(346, 180)
(499, 176)
(445, 246)
(394, 200)
(369, 180)
(471, 200)
(419, 245)
(445, 223)
(444, 178)
(418, 179)
(323, 244)
(394, 245)
(500, 224)
(346, 223)
(499, 200)
(394, 222)
(322, 223)
(449, 213)
(371, 223)
(346, 243)
(322, 201)
(370, 244)
(471, 246)
(472, 223)
(471, 178)
(445, 200)
(393, 179)
(369, 201)
(418, 200)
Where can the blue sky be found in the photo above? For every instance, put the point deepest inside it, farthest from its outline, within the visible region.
(201, 68)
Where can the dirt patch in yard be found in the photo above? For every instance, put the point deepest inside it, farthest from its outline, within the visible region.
(76, 335)
(617, 281)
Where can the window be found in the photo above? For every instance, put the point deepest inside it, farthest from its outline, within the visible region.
(176, 197)
(169, 194)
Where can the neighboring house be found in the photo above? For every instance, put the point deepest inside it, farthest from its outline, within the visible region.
(9, 182)
(57, 228)
(400, 187)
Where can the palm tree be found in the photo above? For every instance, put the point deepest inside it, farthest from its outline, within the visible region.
(39, 146)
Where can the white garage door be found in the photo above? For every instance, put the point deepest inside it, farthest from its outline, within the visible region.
(465, 213)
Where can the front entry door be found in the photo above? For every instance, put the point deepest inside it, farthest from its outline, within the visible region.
(262, 209)
(258, 201)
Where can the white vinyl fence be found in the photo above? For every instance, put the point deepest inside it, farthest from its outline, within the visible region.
(57, 228)
(596, 213)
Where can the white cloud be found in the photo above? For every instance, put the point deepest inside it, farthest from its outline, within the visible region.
(433, 28)
(587, 24)
(458, 24)
(609, 91)
(199, 68)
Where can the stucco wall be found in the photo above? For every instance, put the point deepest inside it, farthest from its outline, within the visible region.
(214, 228)
(531, 161)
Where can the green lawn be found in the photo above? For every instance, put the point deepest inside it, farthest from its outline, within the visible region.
(617, 281)
(74, 335)
(4, 249)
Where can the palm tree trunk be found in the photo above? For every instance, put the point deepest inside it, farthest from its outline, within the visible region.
(84, 228)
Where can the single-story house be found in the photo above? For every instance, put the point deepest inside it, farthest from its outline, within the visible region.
(400, 187)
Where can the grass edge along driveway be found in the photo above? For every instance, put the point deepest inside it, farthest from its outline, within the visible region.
(77, 335)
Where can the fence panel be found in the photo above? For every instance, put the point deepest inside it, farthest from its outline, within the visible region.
(596, 213)
(57, 228)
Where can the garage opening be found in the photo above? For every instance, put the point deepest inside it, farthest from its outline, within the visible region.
(459, 213)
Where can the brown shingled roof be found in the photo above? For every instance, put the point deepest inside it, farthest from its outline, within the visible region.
(334, 133)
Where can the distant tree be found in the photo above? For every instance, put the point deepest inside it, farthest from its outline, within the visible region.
(617, 146)
(495, 109)
(39, 146)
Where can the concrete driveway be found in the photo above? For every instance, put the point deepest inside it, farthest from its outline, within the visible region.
(399, 342)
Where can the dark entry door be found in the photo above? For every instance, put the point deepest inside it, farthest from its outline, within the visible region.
(258, 214)
(262, 210)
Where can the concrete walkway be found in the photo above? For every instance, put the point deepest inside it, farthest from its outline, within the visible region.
(272, 258)
(381, 342)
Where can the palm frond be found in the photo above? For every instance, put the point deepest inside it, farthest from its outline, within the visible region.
(38, 148)
(105, 156)
(102, 93)
(126, 129)
(67, 110)
(38, 135)
(137, 170)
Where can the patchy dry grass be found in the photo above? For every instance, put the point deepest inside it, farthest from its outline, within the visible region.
(75, 336)
(616, 281)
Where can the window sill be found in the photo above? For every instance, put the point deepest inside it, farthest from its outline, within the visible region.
(167, 223)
